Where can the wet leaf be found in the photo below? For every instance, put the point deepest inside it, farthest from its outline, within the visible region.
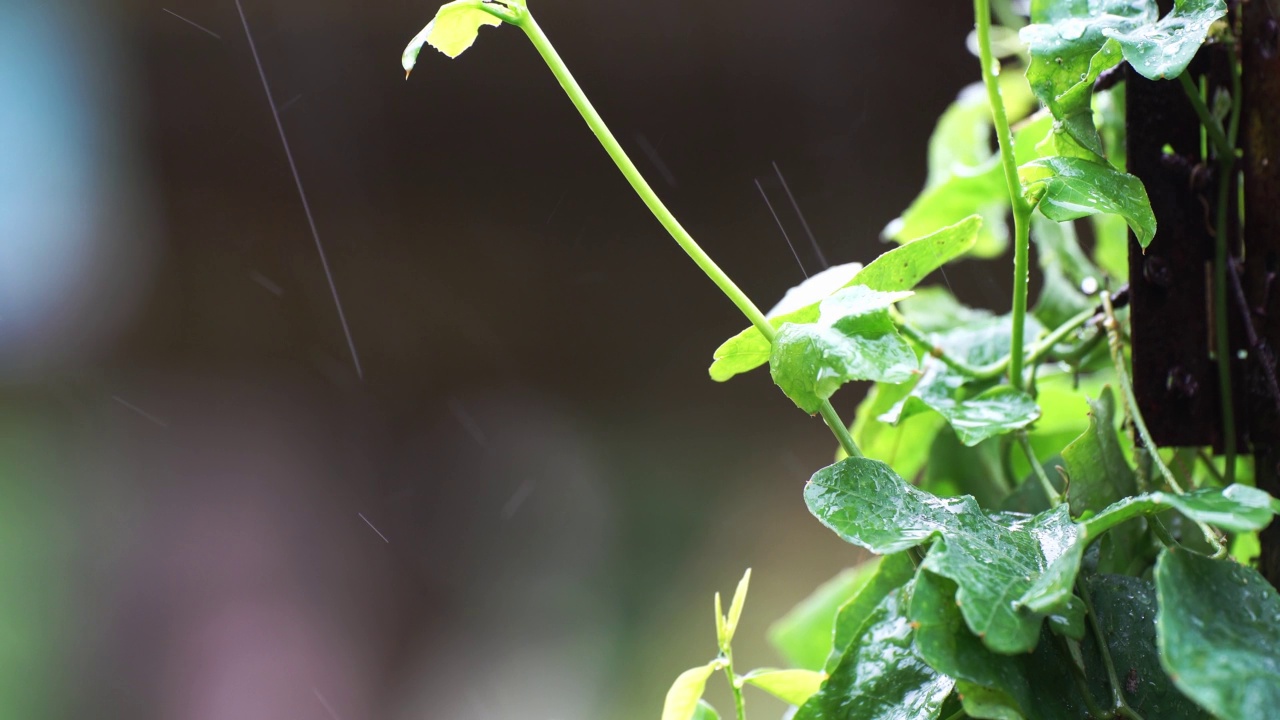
(1011, 570)
(1164, 49)
(1069, 48)
(892, 572)
(1218, 630)
(790, 686)
(453, 30)
(899, 269)
(1026, 685)
(879, 677)
(1070, 188)
(853, 339)
(686, 691)
(1235, 508)
(803, 635)
(1100, 474)
(904, 446)
(1125, 612)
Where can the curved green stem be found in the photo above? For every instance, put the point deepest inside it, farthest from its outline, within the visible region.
(1119, 706)
(1021, 209)
(1055, 498)
(997, 368)
(739, 702)
(524, 20)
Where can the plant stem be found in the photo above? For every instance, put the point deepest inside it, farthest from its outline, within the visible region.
(1224, 144)
(1055, 498)
(1119, 705)
(1021, 209)
(524, 20)
(1126, 388)
(739, 702)
(997, 368)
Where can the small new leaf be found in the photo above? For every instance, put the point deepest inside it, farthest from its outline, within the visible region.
(452, 31)
(790, 686)
(686, 691)
(735, 607)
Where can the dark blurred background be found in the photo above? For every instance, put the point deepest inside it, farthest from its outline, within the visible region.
(523, 507)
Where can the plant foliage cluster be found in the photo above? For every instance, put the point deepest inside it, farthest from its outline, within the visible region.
(1038, 555)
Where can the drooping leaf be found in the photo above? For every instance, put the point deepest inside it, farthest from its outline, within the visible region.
(1070, 188)
(853, 339)
(899, 269)
(1218, 630)
(1100, 474)
(964, 170)
(991, 685)
(452, 31)
(1011, 570)
(1069, 48)
(976, 410)
(803, 635)
(1163, 49)
(686, 691)
(879, 677)
(790, 686)
(1235, 508)
(1125, 613)
(892, 572)
(815, 289)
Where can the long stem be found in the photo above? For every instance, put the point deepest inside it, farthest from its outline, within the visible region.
(530, 26)
(1055, 498)
(739, 702)
(1119, 705)
(1021, 209)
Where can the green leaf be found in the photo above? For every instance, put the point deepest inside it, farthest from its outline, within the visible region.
(899, 269)
(879, 677)
(1124, 609)
(790, 686)
(1026, 685)
(1164, 49)
(1235, 508)
(1070, 188)
(904, 446)
(704, 711)
(815, 289)
(735, 607)
(1069, 48)
(964, 170)
(1065, 270)
(1010, 569)
(686, 691)
(892, 572)
(853, 339)
(803, 635)
(1218, 631)
(722, 630)
(1100, 474)
(453, 30)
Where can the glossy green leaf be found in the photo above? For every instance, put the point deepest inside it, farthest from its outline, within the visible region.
(1010, 569)
(686, 691)
(1027, 685)
(879, 677)
(1218, 630)
(1069, 48)
(790, 686)
(815, 289)
(453, 30)
(1065, 270)
(1125, 613)
(1235, 508)
(892, 572)
(735, 607)
(853, 339)
(704, 711)
(803, 635)
(1162, 50)
(1070, 188)
(1100, 474)
(899, 269)
(964, 170)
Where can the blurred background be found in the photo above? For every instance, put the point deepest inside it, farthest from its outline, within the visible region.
(520, 504)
